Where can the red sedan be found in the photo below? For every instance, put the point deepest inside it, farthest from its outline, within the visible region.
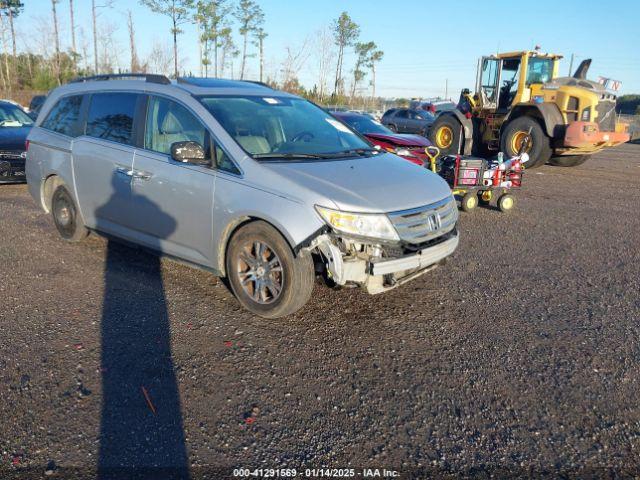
(410, 147)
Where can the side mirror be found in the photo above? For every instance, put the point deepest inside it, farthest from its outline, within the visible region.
(189, 152)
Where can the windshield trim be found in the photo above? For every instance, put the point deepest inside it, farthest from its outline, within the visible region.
(284, 95)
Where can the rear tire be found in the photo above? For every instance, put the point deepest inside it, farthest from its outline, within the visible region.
(540, 147)
(446, 134)
(569, 160)
(65, 216)
(506, 202)
(264, 274)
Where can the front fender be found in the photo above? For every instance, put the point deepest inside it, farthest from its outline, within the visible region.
(237, 202)
(549, 114)
(467, 126)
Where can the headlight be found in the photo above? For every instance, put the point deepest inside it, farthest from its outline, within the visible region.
(403, 152)
(359, 224)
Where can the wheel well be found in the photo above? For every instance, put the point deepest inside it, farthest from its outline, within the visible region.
(230, 231)
(547, 119)
(48, 187)
(533, 113)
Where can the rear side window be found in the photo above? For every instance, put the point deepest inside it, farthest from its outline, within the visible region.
(402, 114)
(63, 117)
(111, 116)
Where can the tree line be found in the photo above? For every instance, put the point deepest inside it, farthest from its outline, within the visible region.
(230, 34)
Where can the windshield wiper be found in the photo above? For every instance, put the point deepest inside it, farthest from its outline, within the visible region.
(363, 152)
(288, 155)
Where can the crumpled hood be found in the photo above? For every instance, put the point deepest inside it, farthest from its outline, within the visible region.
(383, 183)
(406, 140)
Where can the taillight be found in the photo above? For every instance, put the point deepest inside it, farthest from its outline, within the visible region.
(26, 145)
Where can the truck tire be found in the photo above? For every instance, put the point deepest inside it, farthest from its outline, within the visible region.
(264, 274)
(446, 134)
(569, 160)
(540, 148)
(65, 216)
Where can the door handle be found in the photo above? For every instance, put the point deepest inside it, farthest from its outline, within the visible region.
(141, 175)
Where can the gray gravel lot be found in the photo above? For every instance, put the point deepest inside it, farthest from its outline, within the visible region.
(520, 357)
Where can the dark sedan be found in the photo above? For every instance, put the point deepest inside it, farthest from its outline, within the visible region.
(407, 120)
(409, 147)
(15, 125)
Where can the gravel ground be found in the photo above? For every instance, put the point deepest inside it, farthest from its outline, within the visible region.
(519, 357)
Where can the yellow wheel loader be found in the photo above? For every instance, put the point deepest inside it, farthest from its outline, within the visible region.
(569, 118)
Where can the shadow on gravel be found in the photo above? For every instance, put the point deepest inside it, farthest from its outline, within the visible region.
(141, 433)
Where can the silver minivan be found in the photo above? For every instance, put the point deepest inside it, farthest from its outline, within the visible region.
(254, 184)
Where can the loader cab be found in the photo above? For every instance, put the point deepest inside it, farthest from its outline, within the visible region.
(504, 80)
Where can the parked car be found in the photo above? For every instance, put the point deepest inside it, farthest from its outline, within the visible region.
(406, 120)
(15, 125)
(438, 107)
(248, 182)
(410, 147)
(35, 105)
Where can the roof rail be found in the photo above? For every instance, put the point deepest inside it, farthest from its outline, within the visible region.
(149, 77)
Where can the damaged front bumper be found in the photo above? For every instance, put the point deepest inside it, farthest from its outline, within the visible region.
(377, 268)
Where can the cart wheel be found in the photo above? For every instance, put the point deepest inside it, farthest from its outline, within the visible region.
(485, 196)
(506, 202)
(469, 201)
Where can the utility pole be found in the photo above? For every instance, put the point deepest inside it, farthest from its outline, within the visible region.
(446, 89)
(571, 65)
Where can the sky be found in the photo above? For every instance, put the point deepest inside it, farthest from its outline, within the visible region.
(430, 47)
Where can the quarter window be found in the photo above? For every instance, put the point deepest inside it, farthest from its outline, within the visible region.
(111, 116)
(223, 162)
(63, 117)
(169, 122)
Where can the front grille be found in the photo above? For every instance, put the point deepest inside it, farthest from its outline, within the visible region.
(11, 165)
(12, 155)
(422, 224)
(606, 115)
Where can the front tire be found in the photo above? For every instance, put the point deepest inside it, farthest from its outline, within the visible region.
(446, 134)
(469, 201)
(65, 216)
(264, 274)
(569, 160)
(539, 148)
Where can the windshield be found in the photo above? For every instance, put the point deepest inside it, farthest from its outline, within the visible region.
(539, 70)
(12, 116)
(280, 127)
(366, 125)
